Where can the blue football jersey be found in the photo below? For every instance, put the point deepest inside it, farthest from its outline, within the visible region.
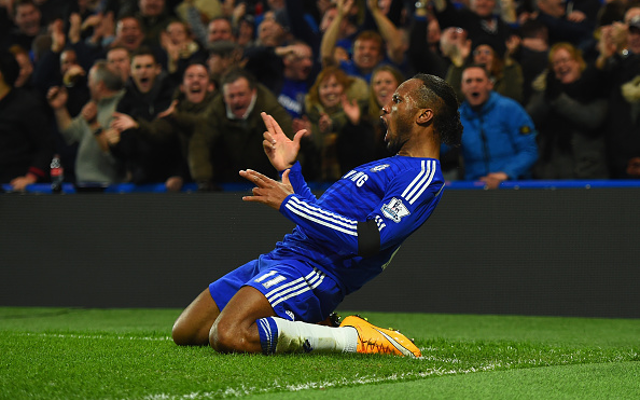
(397, 193)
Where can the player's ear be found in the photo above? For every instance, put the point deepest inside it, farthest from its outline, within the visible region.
(425, 116)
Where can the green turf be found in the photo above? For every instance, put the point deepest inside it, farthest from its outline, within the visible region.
(49, 353)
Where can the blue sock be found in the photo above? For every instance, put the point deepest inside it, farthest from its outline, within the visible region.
(268, 330)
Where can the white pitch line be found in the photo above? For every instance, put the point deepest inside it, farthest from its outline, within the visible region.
(94, 337)
(244, 391)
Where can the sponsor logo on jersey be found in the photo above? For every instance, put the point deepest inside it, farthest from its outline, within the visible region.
(379, 168)
(395, 210)
(290, 315)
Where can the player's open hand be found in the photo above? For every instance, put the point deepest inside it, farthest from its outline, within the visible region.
(267, 190)
(281, 150)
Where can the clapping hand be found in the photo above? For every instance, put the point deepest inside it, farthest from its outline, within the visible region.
(90, 112)
(57, 97)
(170, 110)
(325, 123)
(351, 109)
(121, 122)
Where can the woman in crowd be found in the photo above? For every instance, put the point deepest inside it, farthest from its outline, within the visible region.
(568, 108)
(384, 81)
(181, 48)
(343, 139)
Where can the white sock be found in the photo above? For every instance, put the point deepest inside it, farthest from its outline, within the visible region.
(297, 336)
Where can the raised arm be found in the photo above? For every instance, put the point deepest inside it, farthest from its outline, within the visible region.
(389, 33)
(57, 97)
(330, 36)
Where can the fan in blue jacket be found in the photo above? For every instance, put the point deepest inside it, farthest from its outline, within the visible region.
(499, 141)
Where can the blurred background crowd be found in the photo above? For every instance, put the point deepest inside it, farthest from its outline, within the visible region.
(167, 91)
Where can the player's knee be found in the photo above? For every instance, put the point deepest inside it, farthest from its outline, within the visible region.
(227, 337)
(180, 335)
(184, 334)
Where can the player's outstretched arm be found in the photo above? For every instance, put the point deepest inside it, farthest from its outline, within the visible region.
(281, 151)
(267, 190)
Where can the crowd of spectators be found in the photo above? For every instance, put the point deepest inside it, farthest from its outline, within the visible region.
(168, 91)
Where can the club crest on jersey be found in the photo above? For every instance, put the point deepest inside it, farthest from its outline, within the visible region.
(379, 168)
(395, 210)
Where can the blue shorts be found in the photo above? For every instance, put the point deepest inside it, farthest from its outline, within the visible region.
(295, 290)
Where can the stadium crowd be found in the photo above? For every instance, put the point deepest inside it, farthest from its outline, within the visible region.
(167, 91)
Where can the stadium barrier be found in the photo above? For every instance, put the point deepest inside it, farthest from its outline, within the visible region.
(558, 249)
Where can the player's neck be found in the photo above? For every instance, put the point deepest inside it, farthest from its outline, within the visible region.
(427, 148)
(431, 154)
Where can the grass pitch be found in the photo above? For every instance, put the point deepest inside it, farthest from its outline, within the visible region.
(54, 353)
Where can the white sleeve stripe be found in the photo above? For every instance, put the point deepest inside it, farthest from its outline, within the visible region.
(328, 219)
(316, 215)
(304, 204)
(425, 186)
(419, 184)
(321, 222)
(417, 178)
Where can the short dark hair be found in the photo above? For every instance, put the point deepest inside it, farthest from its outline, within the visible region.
(200, 63)
(120, 47)
(20, 3)
(237, 73)
(476, 65)
(435, 92)
(532, 28)
(197, 62)
(9, 68)
(144, 51)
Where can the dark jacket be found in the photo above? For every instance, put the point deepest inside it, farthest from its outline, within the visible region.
(221, 146)
(570, 119)
(623, 123)
(26, 144)
(149, 160)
